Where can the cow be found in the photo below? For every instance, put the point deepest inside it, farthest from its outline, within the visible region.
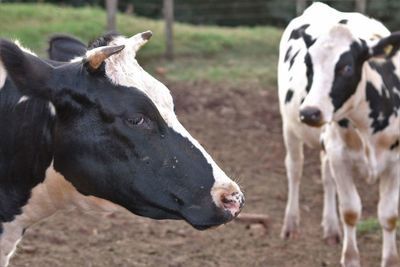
(340, 77)
(99, 133)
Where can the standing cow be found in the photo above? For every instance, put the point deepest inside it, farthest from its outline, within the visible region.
(332, 75)
(96, 132)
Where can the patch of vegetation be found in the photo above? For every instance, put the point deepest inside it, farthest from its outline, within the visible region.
(367, 226)
(236, 56)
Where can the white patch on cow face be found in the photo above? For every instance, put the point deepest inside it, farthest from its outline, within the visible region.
(123, 69)
(3, 75)
(325, 54)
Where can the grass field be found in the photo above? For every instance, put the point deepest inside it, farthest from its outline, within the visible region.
(244, 56)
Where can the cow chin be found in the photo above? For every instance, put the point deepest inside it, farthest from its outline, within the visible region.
(197, 218)
(157, 213)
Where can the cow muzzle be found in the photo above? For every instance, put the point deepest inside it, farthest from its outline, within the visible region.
(311, 116)
(229, 198)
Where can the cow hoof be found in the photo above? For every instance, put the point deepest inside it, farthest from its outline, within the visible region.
(332, 240)
(351, 261)
(392, 261)
(290, 232)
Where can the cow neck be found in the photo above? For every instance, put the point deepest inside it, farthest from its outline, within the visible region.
(55, 193)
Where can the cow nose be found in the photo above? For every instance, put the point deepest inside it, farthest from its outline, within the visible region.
(311, 116)
(232, 202)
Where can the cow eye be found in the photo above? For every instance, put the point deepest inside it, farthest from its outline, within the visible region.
(136, 120)
(346, 71)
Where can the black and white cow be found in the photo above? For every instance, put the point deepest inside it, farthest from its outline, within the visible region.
(333, 75)
(99, 133)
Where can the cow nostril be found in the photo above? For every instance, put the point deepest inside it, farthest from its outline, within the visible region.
(311, 116)
(233, 202)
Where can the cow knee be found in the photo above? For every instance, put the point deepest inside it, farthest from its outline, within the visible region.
(388, 221)
(351, 217)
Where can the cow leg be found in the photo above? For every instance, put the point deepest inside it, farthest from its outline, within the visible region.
(388, 215)
(11, 236)
(340, 161)
(330, 220)
(294, 168)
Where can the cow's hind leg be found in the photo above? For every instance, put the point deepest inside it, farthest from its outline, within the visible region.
(388, 215)
(294, 168)
(330, 221)
(10, 237)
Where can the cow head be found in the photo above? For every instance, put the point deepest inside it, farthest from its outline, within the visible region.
(337, 60)
(117, 141)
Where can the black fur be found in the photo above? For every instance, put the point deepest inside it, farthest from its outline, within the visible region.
(395, 144)
(65, 47)
(344, 86)
(289, 96)
(301, 33)
(344, 123)
(149, 168)
(309, 71)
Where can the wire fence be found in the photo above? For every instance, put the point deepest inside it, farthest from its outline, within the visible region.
(260, 12)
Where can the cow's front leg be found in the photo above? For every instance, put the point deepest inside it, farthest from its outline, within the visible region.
(388, 215)
(294, 168)
(330, 221)
(11, 236)
(341, 165)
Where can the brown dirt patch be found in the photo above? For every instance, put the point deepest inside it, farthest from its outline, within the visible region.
(241, 128)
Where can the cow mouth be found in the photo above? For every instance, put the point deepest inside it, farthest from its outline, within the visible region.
(318, 124)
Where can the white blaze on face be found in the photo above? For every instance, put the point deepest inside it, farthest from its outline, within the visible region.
(325, 54)
(3, 75)
(123, 69)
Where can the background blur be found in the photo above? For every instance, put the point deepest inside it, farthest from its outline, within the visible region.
(239, 12)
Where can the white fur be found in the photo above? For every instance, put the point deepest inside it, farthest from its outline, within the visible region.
(53, 194)
(52, 109)
(23, 99)
(3, 75)
(347, 149)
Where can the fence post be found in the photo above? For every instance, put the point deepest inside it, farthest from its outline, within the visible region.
(361, 6)
(111, 6)
(300, 6)
(169, 21)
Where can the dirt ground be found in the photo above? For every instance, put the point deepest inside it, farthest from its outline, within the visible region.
(241, 128)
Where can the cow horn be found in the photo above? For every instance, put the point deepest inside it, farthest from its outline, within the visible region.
(95, 57)
(140, 39)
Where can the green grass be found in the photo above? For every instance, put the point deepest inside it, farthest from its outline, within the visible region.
(235, 56)
(367, 226)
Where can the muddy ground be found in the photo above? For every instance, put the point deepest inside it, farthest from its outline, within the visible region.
(241, 128)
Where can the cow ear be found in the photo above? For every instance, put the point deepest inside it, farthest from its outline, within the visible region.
(29, 73)
(65, 48)
(95, 57)
(387, 46)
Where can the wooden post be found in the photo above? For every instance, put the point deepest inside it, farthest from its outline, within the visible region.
(300, 6)
(361, 6)
(169, 35)
(111, 6)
